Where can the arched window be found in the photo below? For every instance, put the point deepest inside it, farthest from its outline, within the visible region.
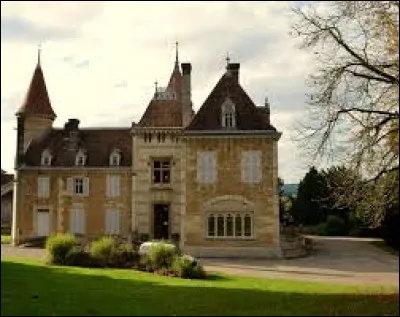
(230, 225)
(46, 158)
(228, 114)
(80, 159)
(115, 157)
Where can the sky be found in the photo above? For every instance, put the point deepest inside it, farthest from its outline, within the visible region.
(101, 59)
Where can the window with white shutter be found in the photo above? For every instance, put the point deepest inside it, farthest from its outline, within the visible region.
(206, 167)
(43, 187)
(251, 167)
(113, 185)
(77, 221)
(112, 221)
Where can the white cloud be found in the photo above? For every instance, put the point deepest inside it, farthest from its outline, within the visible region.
(104, 74)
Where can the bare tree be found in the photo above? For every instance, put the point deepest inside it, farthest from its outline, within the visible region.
(354, 93)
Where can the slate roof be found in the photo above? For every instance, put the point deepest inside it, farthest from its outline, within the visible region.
(248, 116)
(98, 144)
(37, 101)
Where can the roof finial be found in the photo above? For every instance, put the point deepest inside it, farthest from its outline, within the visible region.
(39, 51)
(176, 56)
(228, 59)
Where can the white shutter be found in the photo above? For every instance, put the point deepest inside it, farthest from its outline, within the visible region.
(70, 185)
(112, 221)
(245, 167)
(251, 167)
(72, 217)
(213, 167)
(206, 167)
(43, 187)
(82, 221)
(115, 222)
(108, 222)
(117, 186)
(77, 221)
(86, 186)
(201, 167)
(108, 186)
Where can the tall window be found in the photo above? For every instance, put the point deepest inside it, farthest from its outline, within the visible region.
(230, 225)
(112, 221)
(113, 185)
(206, 167)
(161, 171)
(78, 185)
(251, 167)
(43, 187)
(228, 115)
(77, 221)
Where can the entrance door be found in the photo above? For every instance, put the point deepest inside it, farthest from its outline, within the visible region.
(161, 221)
(43, 223)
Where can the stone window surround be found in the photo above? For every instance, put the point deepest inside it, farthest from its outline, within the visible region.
(234, 215)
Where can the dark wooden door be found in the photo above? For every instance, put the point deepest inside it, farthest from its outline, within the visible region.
(161, 221)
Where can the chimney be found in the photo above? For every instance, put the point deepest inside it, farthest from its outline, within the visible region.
(71, 129)
(233, 70)
(71, 125)
(186, 94)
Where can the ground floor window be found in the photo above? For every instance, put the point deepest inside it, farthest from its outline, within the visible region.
(77, 221)
(112, 221)
(230, 225)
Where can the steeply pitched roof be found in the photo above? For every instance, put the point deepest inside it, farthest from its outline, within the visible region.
(37, 101)
(248, 117)
(162, 113)
(98, 144)
(165, 112)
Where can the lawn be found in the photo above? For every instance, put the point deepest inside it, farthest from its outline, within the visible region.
(5, 238)
(29, 287)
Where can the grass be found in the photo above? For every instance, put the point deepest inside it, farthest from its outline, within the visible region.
(385, 247)
(5, 238)
(31, 288)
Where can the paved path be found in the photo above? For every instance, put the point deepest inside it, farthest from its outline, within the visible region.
(341, 260)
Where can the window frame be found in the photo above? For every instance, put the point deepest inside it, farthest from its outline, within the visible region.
(206, 167)
(162, 170)
(216, 216)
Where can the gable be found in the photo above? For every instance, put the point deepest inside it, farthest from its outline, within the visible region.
(248, 117)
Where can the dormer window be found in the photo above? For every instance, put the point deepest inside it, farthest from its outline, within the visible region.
(228, 114)
(80, 158)
(115, 158)
(46, 158)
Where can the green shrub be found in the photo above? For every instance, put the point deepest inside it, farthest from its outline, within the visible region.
(123, 256)
(335, 226)
(184, 267)
(58, 246)
(101, 250)
(160, 255)
(320, 229)
(79, 257)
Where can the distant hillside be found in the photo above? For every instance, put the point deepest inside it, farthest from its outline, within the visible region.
(290, 189)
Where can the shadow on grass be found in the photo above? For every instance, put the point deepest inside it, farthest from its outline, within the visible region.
(39, 290)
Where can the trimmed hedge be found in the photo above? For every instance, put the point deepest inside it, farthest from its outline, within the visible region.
(58, 246)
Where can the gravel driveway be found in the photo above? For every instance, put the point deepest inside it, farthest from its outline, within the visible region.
(337, 259)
